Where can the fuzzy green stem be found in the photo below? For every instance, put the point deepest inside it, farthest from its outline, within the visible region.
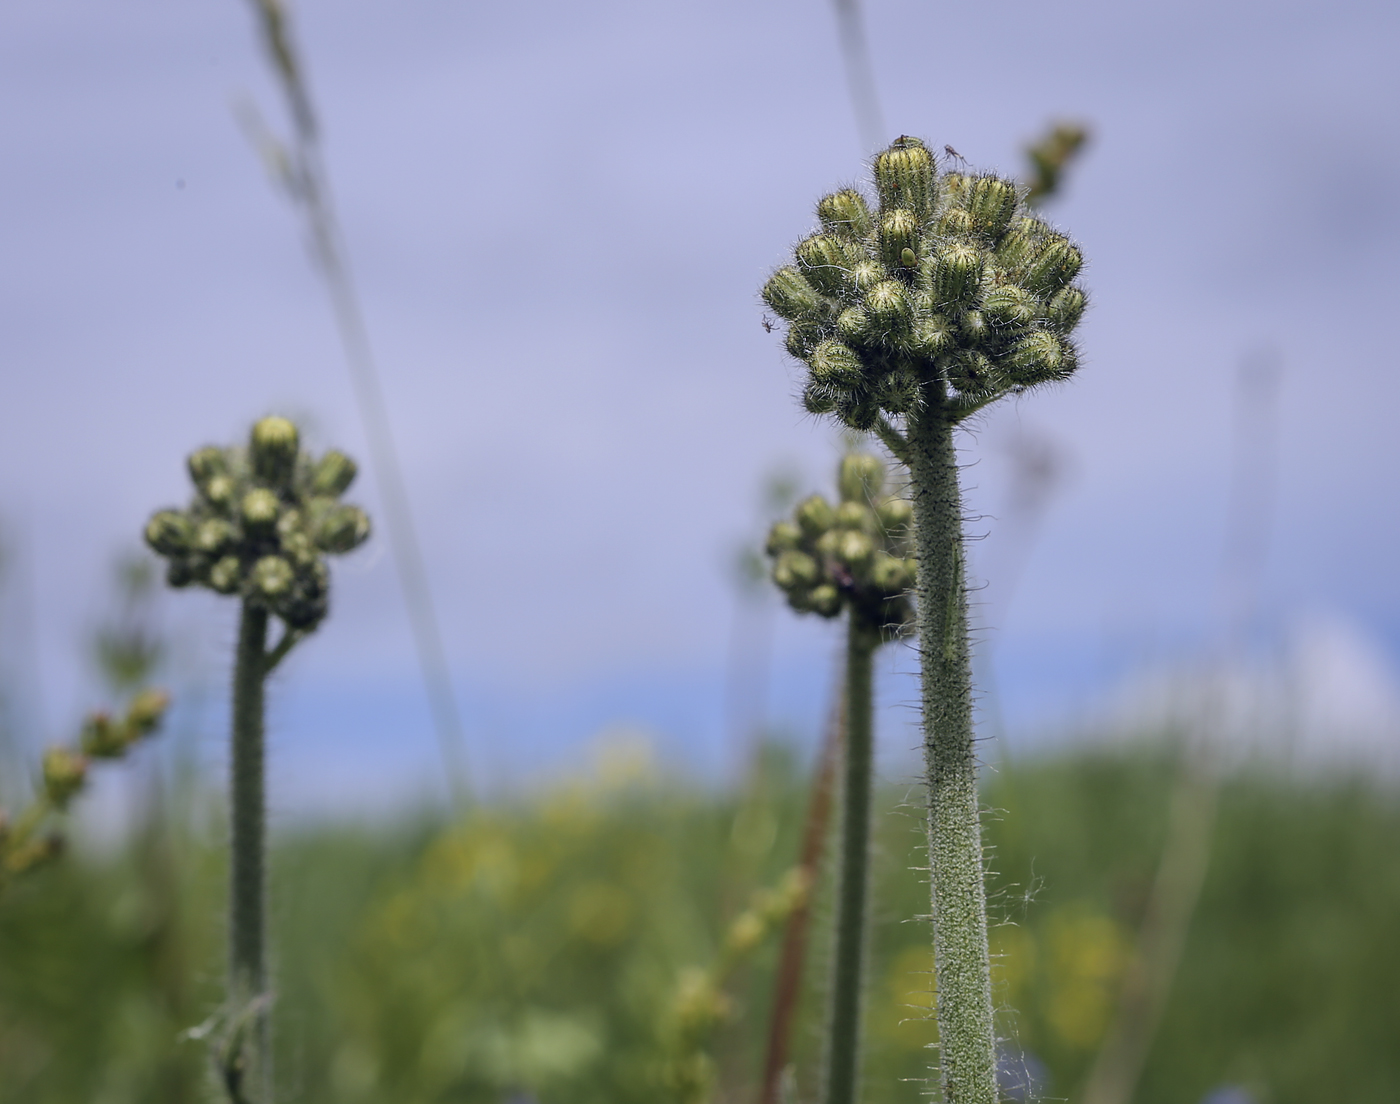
(967, 1044)
(248, 1072)
(852, 894)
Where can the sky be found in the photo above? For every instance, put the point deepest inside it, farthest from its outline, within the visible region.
(559, 217)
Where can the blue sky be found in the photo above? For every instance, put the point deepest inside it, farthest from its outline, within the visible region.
(559, 216)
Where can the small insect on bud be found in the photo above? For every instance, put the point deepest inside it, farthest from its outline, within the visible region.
(213, 536)
(272, 576)
(226, 575)
(205, 464)
(101, 737)
(273, 450)
(64, 774)
(904, 176)
(260, 508)
(992, 203)
(825, 600)
(146, 711)
(795, 570)
(333, 474)
(860, 477)
(782, 537)
(889, 305)
(824, 263)
(814, 515)
(899, 231)
(1066, 308)
(169, 532)
(908, 258)
(844, 213)
(836, 365)
(957, 274)
(894, 514)
(1055, 265)
(790, 295)
(341, 529)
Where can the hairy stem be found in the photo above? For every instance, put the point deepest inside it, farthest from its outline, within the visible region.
(852, 893)
(249, 1075)
(967, 1045)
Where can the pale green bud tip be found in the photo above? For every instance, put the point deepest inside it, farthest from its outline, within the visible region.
(342, 528)
(169, 533)
(273, 449)
(904, 175)
(64, 774)
(992, 203)
(814, 515)
(853, 515)
(854, 548)
(226, 575)
(793, 570)
(823, 262)
(206, 463)
(259, 509)
(213, 536)
(272, 576)
(860, 477)
(889, 305)
(835, 364)
(790, 295)
(333, 474)
(899, 234)
(825, 600)
(844, 213)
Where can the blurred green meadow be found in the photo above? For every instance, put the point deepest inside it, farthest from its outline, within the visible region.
(532, 949)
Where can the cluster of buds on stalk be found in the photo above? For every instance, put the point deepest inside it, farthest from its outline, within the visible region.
(261, 523)
(855, 554)
(948, 284)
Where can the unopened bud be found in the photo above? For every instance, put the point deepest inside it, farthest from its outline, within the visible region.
(1039, 356)
(866, 274)
(101, 737)
(992, 204)
(824, 263)
(974, 328)
(957, 274)
(790, 295)
(854, 548)
(273, 450)
(218, 492)
(169, 532)
(226, 575)
(899, 232)
(1055, 265)
(1010, 305)
(272, 576)
(795, 570)
(206, 463)
(64, 774)
(860, 477)
(836, 365)
(146, 711)
(844, 213)
(260, 509)
(783, 536)
(955, 221)
(825, 600)
(971, 371)
(853, 324)
(894, 513)
(889, 305)
(904, 176)
(333, 474)
(1066, 308)
(818, 398)
(888, 573)
(814, 515)
(802, 337)
(213, 535)
(932, 337)
(341, 528)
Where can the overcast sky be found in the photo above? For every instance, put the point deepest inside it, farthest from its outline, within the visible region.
(559, 216)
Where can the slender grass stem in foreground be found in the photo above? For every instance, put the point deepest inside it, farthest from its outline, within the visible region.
(261, 524)
(934, 304)
(852, 557)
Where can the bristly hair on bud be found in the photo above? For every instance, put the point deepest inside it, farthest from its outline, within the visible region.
(932, 297)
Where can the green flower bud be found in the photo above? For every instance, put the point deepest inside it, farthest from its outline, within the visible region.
(854, 548)
(782, 537)
(932, 337)
(1019, 244)
(341, 528)
(904, 177)
(790, 295)
(858, 411)
(226, 575)
(824, 600)
(970, 372)
(1040, 356)
(860, 478)
(64, 774)
(146, 711)
(795, 569)
(992, 204)
(865, 275)
(899, 233)
(853, 324)
(219, 491)
(307, 602)
(824, 263)
(213, 536)
(1056, 263)
(273, 451)
(975, 328)
(836, 365)
(803, 337)
(333, 474)
(853, 515)
(955, 188)
(889, 305)
(1009, 305)
(272, 576)
(957, 274)
(814, 515)
(260, 509)
(1066, 308)
(180, 572)
(898, 392)
(101, 738)
(894, 513)
(298, 547)
(845, 213)
(955, 222)
(889, 574)
(818, 398)
(207, 463)
(169, 532)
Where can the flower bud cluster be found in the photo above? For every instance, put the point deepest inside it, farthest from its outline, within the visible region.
(857, 553)
(262, 522)
(948, 283)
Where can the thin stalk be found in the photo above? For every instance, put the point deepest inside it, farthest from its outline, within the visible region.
(794, 952)
(967, 1044)
(248, 1071)
(853, 888)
